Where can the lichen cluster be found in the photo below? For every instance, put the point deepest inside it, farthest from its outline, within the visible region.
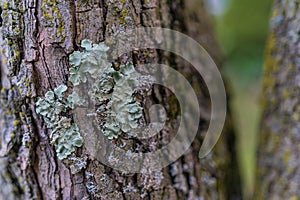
(112, 90)
(124, 111)
(93, 61)
(65, 134)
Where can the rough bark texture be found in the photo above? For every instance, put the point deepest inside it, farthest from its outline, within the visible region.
(278, 165)
(36, 38)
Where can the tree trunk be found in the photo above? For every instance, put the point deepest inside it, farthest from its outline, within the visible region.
(37, 37)
(278, 154)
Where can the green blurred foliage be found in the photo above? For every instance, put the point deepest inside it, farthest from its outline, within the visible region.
(242, 31)
(244, 26)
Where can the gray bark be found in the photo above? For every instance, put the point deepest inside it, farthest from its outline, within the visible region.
(278, 154)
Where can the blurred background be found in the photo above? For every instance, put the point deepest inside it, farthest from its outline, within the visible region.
(242, 28)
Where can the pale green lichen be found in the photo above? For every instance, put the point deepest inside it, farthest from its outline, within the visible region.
(65, 134)
(112, 90)
(123, 110)
(93, 61)
(126, 110)
(59, 91)
(74, 99)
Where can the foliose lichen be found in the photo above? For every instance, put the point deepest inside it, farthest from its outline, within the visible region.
(112, 90)
(93, 61)
(65, 134)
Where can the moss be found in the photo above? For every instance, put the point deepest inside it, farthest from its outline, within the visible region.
(110, 41)
(286, 93)
(21, 10)
(52, 17)
(3, 89)
(17, 54)
(123, 16)
(120, 10)
(16, 122)
(271, 63)
(17, 30)
(173, 110)
(270, 68)
(149, 55)
(5, 5)
(61, 28)
(48, 16)
(293, 198)
(287, 156)
(296, 117)
(12, 135)
(21, 114)
(9, 42)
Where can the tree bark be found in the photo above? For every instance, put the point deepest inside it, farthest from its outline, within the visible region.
(37, 37)
(278, 154)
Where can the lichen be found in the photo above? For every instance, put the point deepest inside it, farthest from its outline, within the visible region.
(52, 17)
(12, 21)
(92, 188)
(121, 11)
(5, 5)
(77, 164)
(112, 90)
(280, 106)
(10, 131)
(12, 32)
(129, 188)
(65, 134)
(24, 81)
(93, 61)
